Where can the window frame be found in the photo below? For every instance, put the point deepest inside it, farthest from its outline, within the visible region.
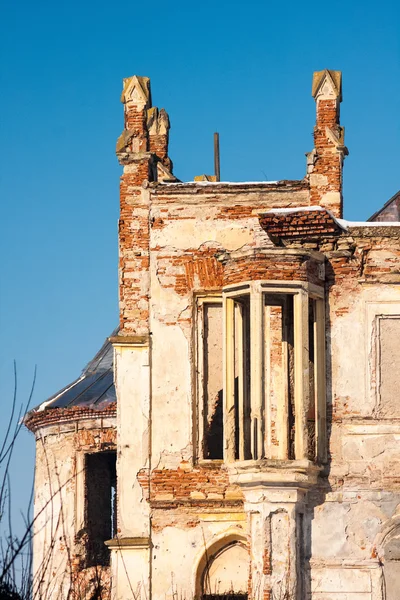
(81, 496)
(301, 292)
(201, 300)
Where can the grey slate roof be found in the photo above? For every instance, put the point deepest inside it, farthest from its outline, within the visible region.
(93, 389)
(390, 211)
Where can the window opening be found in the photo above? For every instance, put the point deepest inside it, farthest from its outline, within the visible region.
(279, 374)
(211, 386)
(242, 378)
(101, 484)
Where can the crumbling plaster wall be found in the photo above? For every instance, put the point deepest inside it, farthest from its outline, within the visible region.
(362, 491)
(132, 377)
(188, 225)
(54, 504)
(181, 539)
(59, 506)
(347, 514)
(192, 505)
(188, 230)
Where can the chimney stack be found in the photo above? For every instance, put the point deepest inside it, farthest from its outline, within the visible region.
(142, 150)
(325, 161)
(144, 140)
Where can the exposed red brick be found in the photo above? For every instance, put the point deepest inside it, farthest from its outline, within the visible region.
(299, 224)
(329, 158)
(64, 415)
(261, 267)
(179, 484)
(267, 566)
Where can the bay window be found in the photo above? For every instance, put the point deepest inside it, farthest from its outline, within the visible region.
(274, 379)
(268, 400)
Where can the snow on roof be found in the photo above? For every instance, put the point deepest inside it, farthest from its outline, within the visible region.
(205, 183)
(347, 224)
(293, 209)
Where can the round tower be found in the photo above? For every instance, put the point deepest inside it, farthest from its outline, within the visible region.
(75, 484)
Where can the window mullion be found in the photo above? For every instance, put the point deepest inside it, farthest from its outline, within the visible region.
(319, 353)
(257, 380)
(200, 361)
(283, 420)
(229, 380)
(301, 373)
(80, 484)
(240, 361)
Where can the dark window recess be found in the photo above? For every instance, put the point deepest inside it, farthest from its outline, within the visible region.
(101, 482)
(281, 335)
(214, 432)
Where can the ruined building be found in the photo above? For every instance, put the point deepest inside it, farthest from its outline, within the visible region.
(238, 435)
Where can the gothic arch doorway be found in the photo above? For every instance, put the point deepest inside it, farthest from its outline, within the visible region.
(226, 573)
(391, 564)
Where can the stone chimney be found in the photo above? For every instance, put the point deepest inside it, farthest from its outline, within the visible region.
(325, 162)
(142, 149)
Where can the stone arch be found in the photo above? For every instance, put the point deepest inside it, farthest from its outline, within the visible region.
(223, 569)
(388, 553)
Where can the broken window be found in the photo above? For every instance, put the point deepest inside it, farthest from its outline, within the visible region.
(100, 505)
(210, 380)
(274, 372)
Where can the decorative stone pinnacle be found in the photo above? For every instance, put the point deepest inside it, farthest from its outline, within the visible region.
(157, 121)
(327, 84)
(136, 90)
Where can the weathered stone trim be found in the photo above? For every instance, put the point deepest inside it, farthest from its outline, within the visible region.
(128, 542)
(129, 340)
(228, 186)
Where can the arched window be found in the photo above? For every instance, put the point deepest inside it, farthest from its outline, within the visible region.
(391, 551)
(226, 574)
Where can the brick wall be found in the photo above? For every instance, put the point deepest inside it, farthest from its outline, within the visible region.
(326, 161)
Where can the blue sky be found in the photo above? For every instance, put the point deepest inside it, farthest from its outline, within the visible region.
(241, 68)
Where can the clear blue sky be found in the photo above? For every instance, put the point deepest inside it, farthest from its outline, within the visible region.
(242, 68)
